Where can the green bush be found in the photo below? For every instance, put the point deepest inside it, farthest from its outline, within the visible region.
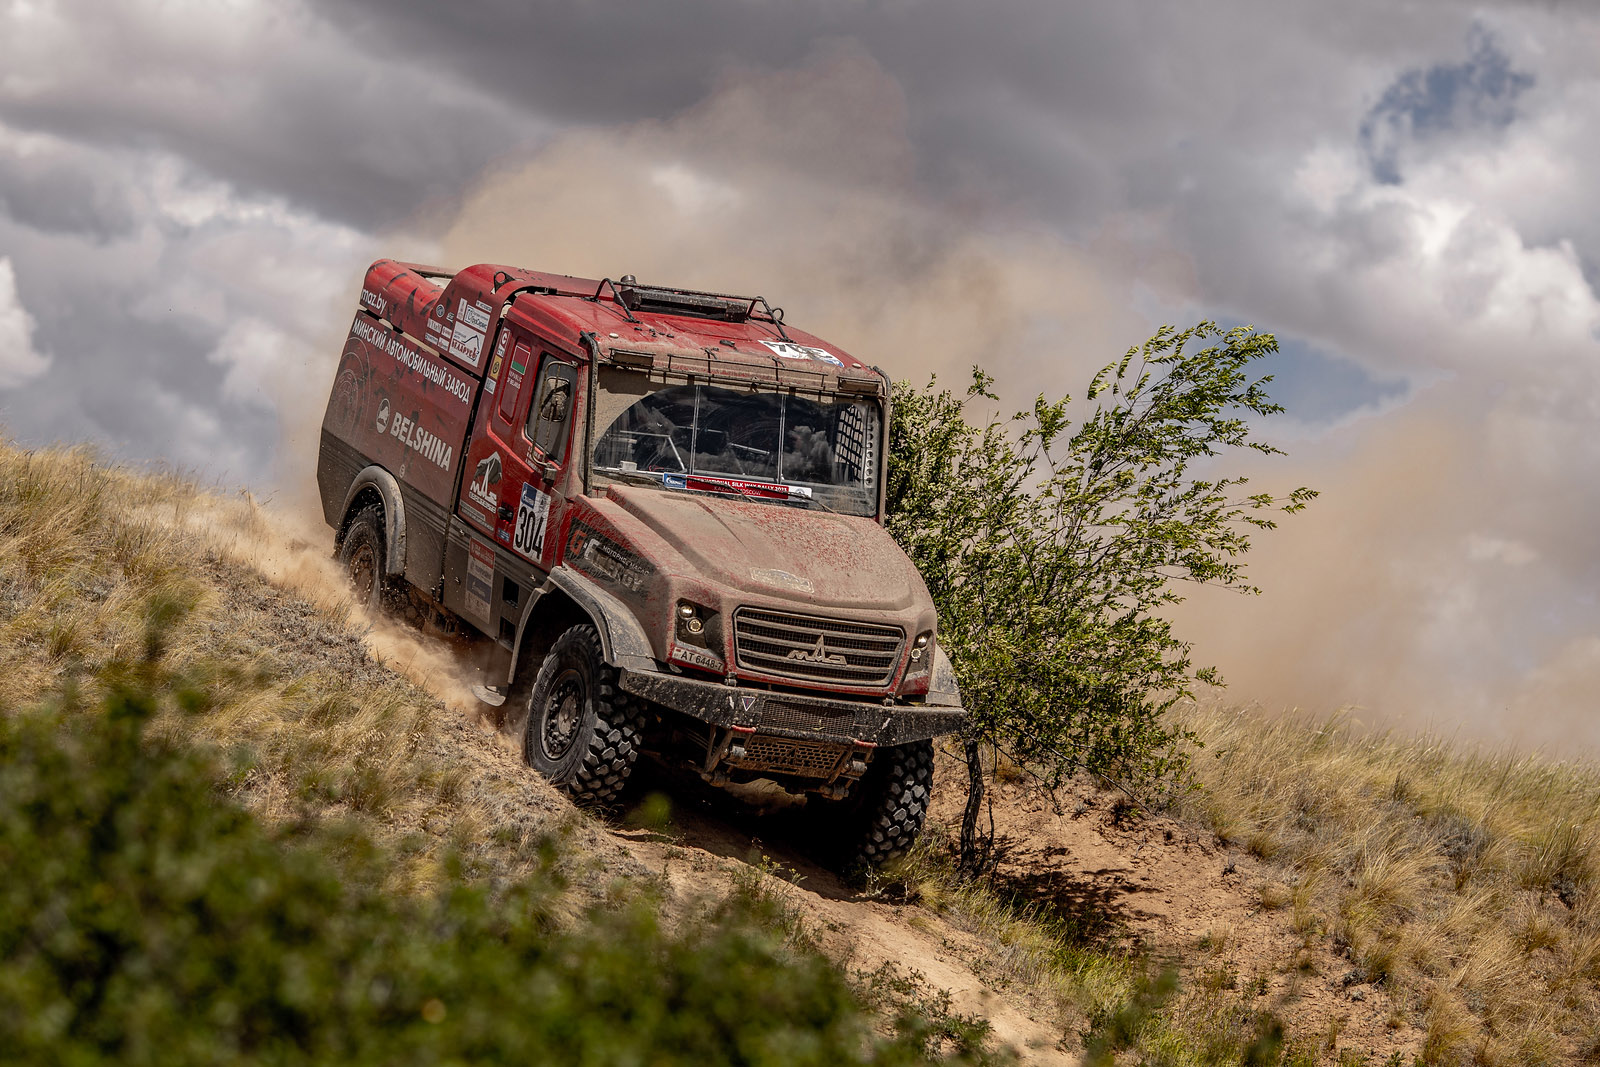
(145, 919)
(1053, 549)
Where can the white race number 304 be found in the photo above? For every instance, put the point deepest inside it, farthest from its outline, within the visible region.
(532, 515)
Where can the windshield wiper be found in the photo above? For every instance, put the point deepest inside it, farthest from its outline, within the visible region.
(815, 499)
(640, 477)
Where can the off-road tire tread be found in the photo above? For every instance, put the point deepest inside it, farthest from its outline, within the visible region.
(895, 803)
(613, 746)
(372, 516)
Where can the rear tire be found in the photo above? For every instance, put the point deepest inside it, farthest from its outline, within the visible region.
(362, 555)
(581, 731)
(884, 813)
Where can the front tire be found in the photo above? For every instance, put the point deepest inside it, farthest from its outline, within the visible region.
(581, 730)
(884, 813)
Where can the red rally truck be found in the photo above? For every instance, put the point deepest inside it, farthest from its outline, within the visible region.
(658, 512)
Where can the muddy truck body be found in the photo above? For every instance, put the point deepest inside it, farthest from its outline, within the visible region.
(657, 513)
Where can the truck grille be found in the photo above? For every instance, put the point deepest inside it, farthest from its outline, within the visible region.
(816, 650)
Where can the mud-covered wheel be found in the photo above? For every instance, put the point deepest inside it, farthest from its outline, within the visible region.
(361, 555)
(882, 817)
(581, 730)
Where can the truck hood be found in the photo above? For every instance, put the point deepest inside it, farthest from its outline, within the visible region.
(781, 551)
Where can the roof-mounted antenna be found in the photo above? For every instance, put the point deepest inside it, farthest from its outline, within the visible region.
(617, 293)
(776, 315)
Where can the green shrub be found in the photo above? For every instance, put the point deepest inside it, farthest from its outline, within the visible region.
(1053, 549)
(145, 919)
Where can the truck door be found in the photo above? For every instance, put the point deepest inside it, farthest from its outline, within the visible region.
(516, 491)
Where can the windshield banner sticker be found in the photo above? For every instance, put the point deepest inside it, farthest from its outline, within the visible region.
(790, 350)
(532, 515)
(765, 490)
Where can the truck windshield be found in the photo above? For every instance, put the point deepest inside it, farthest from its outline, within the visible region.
(809, 451)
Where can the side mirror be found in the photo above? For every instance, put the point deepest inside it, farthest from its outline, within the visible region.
(557, 398)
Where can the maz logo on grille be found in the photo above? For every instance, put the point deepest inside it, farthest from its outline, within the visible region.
(817, 653)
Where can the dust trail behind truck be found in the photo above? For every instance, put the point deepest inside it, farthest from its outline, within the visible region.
(657, 512)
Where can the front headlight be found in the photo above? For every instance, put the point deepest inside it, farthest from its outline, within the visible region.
(694, 623)
(920, 665)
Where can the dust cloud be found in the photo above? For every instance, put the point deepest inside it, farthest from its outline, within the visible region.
(802, 186)
(1445, 580)
(293, 549)
(1446, 577)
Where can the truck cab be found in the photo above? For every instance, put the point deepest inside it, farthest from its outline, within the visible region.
(658, 513)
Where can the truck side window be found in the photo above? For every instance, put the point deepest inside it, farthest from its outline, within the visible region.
(549, 415)
(511, 388)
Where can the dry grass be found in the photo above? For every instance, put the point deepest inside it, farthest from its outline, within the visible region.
(105, 570)
(1465, 881)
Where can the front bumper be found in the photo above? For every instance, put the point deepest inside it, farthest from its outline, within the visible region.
(792, 714)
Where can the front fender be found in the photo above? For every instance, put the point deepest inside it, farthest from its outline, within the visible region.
(622, 638)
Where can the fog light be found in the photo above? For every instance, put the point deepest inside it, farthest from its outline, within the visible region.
(686, 609)
(916, 655)
(694, 625)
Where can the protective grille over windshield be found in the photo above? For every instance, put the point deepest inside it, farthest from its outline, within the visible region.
(763, 444)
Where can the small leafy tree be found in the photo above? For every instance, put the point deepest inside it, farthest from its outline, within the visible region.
(1051, 549)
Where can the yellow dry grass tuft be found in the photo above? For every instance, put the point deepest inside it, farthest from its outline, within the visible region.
(1465, 881)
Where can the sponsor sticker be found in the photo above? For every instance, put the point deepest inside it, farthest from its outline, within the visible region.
(494, 364)
(790, 350)
(475, 317)
(430, 446)
(409, 356)
(485, 487)
(383, 414)
(707, 484)
(602, 558)
(533, 513)
(466, 344)
(480, 578)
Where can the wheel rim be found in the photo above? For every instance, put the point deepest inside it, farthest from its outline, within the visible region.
(561, 715)
(364, 571)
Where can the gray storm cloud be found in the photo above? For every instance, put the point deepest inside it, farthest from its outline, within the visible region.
(802, 185)
(188, 194)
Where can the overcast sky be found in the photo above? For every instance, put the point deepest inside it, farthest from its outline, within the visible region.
(1403, 193)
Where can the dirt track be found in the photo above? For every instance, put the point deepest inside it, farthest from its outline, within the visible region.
(714, 838)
